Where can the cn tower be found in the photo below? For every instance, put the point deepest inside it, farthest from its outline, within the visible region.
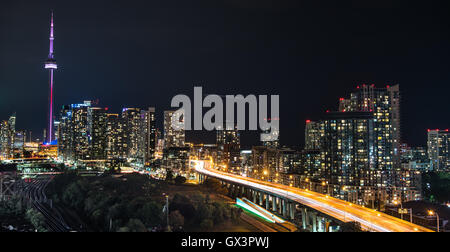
(51, 65)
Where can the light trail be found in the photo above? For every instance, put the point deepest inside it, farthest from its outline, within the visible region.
(344, 211)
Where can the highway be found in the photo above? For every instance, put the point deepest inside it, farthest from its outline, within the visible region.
(369, 219)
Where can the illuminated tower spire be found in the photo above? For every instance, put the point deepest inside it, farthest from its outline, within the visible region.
(51, 65)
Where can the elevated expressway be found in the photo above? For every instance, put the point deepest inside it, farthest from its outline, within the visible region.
(338, 209)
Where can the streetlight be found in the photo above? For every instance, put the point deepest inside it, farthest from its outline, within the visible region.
(166, 208)
(431, 213)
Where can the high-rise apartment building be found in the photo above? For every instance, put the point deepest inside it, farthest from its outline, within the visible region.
(97, 120)
(274, 140)
(95, 137)
(348, 146)
(313, 135)
(148, 134)
(132, 117)
(265, 163)
(73, 142)
(80, 143)
(116, 145)
(173, 137)
(7, 133)
(384, 104)
(229, 149)
(65, 140)
(438, 149)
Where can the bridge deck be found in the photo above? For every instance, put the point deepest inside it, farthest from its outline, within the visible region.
(336, 208)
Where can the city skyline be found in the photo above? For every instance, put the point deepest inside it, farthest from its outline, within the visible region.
(76, 86)
(244, 115)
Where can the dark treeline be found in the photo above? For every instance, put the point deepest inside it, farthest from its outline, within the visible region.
(135, 203)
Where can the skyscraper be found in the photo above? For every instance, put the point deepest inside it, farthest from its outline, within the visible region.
(132, 117)
(228, 148)
(173, 137)
(65, 134)
(97, 120)
(438, 149)
(80, 144)
(348, 149)
(313, 135)
(7, 134)
(147, 136)
(384, 104)
(116, 146)
(274, 140)
(51, 65)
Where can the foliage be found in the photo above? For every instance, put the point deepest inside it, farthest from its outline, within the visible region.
(350, 227)
(436, 187)
(169, 175)
(37, 219)
(134, 203)
(215, 186)
(108, 203)
(179, 180)
(199, 211)
(13, 213)
(176, 219)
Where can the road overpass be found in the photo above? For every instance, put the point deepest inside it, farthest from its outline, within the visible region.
(285, 198)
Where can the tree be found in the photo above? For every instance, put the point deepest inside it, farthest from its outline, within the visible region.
(73, 196)
(206, 224)
(169, 175)
(215, 186)
(176, 219)
(135, 225)
(150, 214)
(179, 180)
(351, 227)
(36, 219)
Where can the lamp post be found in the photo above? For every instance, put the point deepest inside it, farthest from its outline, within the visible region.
(431, 213)
(167, 211)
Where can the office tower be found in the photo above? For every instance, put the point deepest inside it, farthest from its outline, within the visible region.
(51, 65)
(148, 136)
(274, 140)
(132, 117)
(313, 135)
(228, 149)
(173, 137)
(97, 119)
(438, 149)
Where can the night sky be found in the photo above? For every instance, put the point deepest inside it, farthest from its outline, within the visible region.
(142, 53)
